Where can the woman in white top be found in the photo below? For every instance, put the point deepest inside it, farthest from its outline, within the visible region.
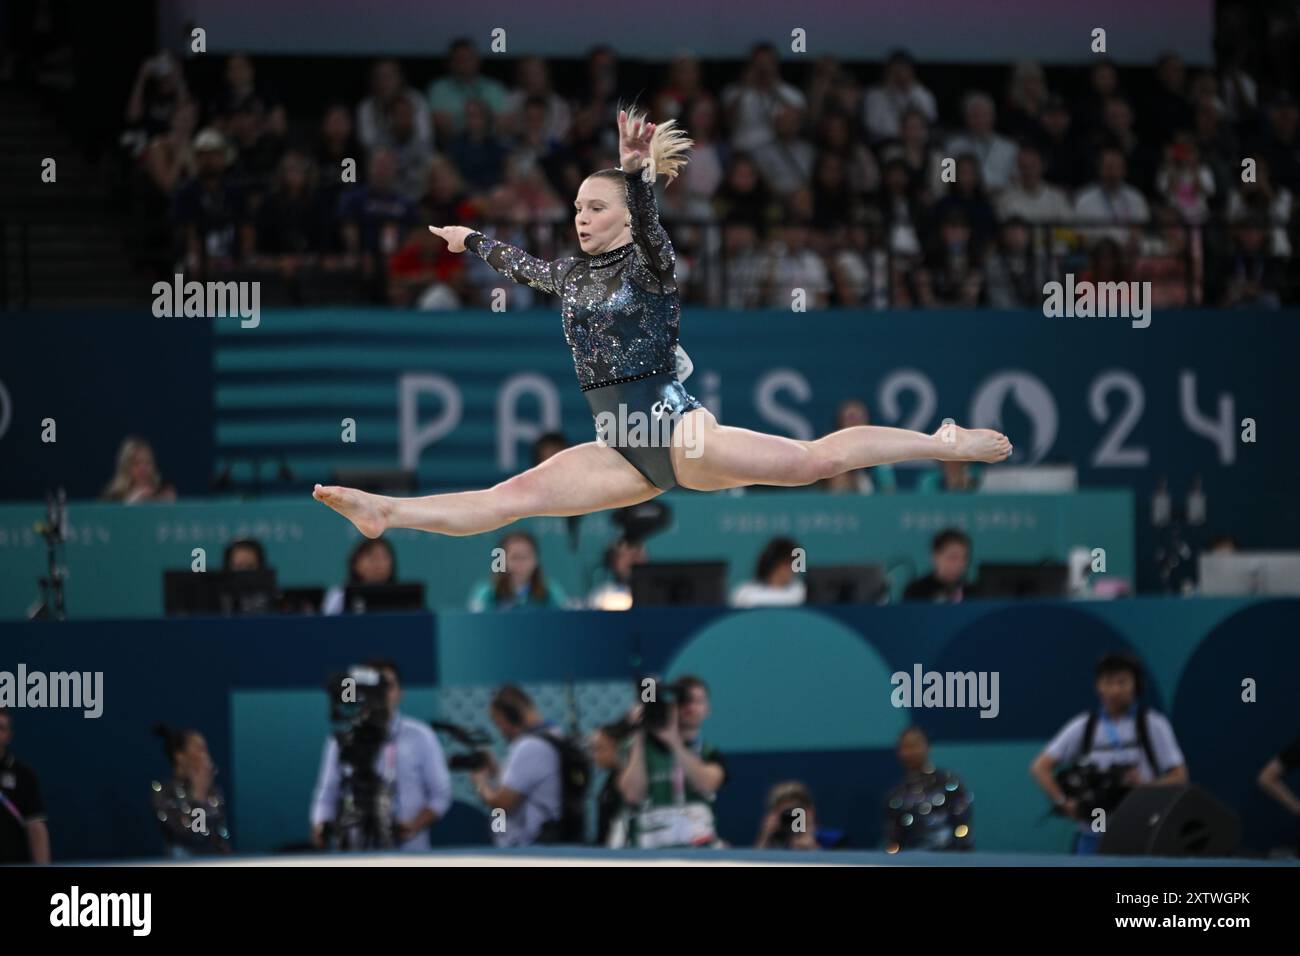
(775, 583)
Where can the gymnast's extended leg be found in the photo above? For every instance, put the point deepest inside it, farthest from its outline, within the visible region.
(712, 456)
(575, 481)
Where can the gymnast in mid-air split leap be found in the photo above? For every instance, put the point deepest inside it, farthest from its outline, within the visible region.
(620, 308)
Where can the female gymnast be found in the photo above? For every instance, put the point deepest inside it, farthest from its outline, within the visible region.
(620, 311)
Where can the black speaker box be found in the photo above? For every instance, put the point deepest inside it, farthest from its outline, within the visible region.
(1178, 820)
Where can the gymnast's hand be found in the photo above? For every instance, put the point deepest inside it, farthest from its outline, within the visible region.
(455, 236)
(633, 142)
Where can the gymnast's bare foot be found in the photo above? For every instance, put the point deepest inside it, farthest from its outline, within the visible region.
(368, 512)
(971, 444)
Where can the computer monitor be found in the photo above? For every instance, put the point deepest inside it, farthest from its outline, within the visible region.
(226, 593)
(846, 584)
(1021, 580)
(301, 600)
(1250, 572)
(679, 583)
(372, 598)
(1035, 479)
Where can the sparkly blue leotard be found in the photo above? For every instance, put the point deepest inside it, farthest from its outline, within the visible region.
(621, 314)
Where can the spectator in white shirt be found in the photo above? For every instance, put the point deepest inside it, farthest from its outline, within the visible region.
(996, 154)
(775, 582)
(797, 267)
(411, 766)
(386, 86)
(899, 91)
(1031, 199)
(786, 161)
(752, 104)
(1111, 200)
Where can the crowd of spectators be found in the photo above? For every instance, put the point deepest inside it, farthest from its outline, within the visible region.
(860, 187)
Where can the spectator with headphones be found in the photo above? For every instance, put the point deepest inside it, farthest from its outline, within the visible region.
(529, 789)
(1121, 732)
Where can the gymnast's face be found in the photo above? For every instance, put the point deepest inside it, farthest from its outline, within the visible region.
(601, 216)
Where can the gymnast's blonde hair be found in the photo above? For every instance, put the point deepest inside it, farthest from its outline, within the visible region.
(669, 145)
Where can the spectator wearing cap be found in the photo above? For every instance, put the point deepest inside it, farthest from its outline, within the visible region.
(995, 154)
(898, 91)
(210, 211)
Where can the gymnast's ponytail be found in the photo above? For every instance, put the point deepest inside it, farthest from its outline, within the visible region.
(668, 147)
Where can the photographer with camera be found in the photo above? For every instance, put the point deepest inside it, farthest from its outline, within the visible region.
(409, 772)
(1108, 751)
(530, 789)
(672, 775)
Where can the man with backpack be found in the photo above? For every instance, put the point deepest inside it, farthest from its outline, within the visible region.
(540, 794)
(1121, 733)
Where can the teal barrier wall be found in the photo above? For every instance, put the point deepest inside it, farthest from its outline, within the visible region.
(116, 554)
(796, 694)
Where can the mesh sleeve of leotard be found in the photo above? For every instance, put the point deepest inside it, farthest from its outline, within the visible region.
(647, 231)
(517, 265)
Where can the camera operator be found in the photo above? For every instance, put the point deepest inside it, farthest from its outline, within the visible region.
(412, 765)
(529, 789)
(672, 776)
(790, 822)
(1122, 735)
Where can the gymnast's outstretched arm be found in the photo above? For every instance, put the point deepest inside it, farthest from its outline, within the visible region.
(511, 261)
